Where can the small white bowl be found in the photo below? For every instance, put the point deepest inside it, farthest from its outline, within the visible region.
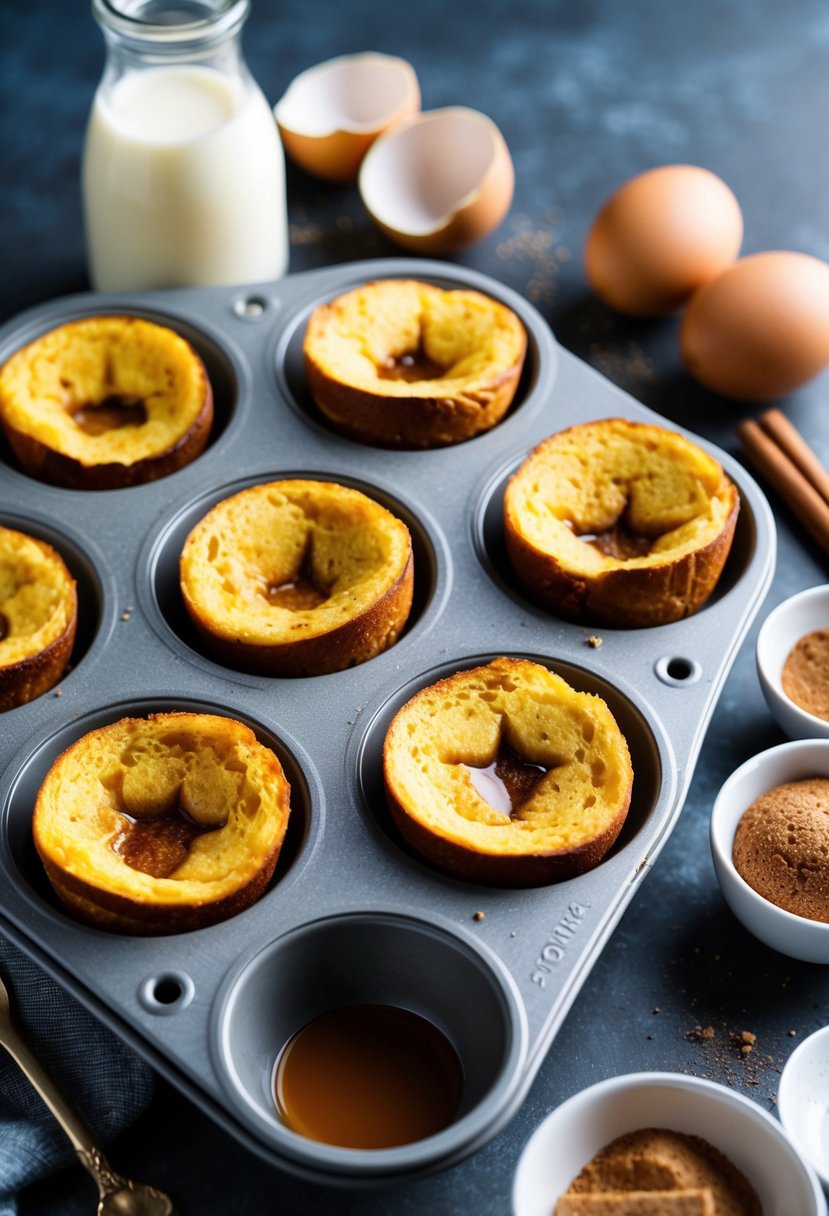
(795, 936)
(782, 630)
(752, 1140)
(803, 1101)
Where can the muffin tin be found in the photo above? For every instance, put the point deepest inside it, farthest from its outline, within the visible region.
(352, 915)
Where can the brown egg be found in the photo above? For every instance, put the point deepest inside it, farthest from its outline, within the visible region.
(761, 328)
(439, 181)
(331, 114)
(660, 237)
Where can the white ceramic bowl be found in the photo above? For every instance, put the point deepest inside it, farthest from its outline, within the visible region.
(803, 1100)
(782, 629)
(796, 936)
(753, 1140)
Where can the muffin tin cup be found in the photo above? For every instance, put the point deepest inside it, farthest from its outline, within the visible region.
(352, 913)
(374, 958)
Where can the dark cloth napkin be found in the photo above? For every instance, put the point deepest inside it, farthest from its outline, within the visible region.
(106, 1081)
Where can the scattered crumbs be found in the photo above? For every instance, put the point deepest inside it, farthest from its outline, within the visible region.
(59, 693)
(594, 641)
(540, 251)
(792, 1034)
(745, 1040)
(649, 1036)
(130, 607)
(773, 1099)
(732, 1057)
(630, 370)
(125, 616)
(512, 934)
(656, 1009)
(304, 234)
(479, 916)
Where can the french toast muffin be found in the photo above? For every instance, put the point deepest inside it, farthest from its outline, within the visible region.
(298, 578)
(618, 523)
(38, 617)
(507, 775)
(402, 364)
(162, 824)
(105, 402)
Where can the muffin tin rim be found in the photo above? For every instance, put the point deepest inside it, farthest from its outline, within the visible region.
(363, 1165)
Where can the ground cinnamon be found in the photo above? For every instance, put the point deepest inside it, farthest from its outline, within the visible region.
(805, 675)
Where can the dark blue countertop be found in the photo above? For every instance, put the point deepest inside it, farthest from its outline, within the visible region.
(586, 94)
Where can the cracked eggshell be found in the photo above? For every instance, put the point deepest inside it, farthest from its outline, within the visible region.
(332, 113)
(439, 181)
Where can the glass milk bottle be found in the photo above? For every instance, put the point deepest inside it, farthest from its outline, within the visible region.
(183, 170)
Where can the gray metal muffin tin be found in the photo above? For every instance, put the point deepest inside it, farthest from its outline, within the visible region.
(352, 916)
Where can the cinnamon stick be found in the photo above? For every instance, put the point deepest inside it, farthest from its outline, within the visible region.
(775, 423)
(781, 456)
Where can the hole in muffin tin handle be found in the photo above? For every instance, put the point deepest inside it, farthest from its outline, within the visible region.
(166, 993)
(677, 671)
(250, 308)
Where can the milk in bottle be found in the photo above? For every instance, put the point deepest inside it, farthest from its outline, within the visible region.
(183, 170)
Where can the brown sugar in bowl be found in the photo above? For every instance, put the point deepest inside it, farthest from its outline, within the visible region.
(38, 617)
(619, 523)
(507, 775)
(403, 364)
(781, 847)
(660, 1172)
(105, 402)
(298, 578)
(162, 824)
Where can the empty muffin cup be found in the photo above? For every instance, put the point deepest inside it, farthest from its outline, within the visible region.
(362, 961)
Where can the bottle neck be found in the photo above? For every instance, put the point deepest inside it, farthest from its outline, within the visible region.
(156, 33)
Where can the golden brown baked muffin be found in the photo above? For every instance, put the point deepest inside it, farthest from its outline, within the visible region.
(402, 364)
(38, 617)
(105, 402)
(162, 824)
(781, 847)
(620, 523)
(505, 774)
(298, 578)
(656, 1159)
